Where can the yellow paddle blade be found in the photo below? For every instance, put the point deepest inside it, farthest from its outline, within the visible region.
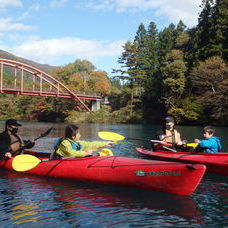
(25, 162)
(192, 144)
(110, 136)
(105, 152)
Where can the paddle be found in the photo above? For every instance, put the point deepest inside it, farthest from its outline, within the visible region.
(105, 152)
(41, 136)
(25, 162)
(117, 137)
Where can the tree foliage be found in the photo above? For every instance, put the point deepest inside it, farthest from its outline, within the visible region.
(182, 71)
(210, 84)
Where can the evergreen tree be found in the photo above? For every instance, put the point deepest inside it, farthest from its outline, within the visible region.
(151, 50)
(140, 43)
(166, 41)
(210, 37)
(219, 30)
(201, 35)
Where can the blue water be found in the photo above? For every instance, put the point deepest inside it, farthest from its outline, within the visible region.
(29, 201)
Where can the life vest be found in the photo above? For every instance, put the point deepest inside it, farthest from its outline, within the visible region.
(173, 137)
(9, 142)
(74, 145)
(15, 142)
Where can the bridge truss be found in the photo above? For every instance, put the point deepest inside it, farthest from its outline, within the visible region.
(23, 79)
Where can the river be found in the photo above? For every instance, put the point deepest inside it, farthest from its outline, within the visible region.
(30, 201)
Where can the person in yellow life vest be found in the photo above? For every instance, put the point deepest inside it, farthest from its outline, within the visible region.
(72, 146)
(170, 136)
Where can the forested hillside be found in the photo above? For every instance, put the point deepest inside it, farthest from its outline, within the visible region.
(178, 71)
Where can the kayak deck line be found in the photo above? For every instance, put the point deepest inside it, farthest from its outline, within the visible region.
(112, 166)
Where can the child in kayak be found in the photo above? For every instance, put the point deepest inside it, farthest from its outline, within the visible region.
(210, 143)
(72, 146)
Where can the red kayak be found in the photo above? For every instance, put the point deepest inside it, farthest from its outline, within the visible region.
(216, 163)
(161, 176)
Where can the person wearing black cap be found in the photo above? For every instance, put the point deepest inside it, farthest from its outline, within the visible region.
(169, 135)
(10, 141)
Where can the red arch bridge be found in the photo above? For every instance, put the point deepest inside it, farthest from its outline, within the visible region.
(23, 79)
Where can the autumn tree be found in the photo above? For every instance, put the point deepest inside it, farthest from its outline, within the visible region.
(210, 84)
(76, 73)
(99, 82)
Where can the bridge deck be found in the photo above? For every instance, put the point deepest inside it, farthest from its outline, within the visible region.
(50, 94)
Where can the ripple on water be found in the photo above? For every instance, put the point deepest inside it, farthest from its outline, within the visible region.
(29, 201)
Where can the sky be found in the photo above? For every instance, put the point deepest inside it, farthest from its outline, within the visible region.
(58, 32)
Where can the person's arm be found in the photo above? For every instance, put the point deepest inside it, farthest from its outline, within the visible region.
(206, 143)
(5, 149)
(94, 145)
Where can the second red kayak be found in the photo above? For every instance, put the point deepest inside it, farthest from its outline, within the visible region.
(216, 163)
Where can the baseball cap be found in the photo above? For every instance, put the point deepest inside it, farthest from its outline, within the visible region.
(12, 122)
(169, 119)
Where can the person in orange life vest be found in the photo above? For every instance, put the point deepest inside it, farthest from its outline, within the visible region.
(10, 141)
(170, 136)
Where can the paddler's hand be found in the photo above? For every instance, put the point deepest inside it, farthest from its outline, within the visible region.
(90, 151)
(180, 143)
(110, 143)
(29, 143)
(8, 155)
(197, 141)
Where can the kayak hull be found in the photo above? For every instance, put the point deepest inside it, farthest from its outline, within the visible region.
(216, 163)
(122, 171)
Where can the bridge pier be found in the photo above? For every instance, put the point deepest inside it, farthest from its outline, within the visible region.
(96, 105)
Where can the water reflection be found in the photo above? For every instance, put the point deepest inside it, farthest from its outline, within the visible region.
(40, 199)
(24, 213)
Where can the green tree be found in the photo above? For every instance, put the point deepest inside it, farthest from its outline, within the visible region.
(151, 59)
(202, 33)
(173, 74)
(210, 37)
(132, 74)
(219, 29)
(166, 41)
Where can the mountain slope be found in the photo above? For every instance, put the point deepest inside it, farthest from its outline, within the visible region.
(45, 67)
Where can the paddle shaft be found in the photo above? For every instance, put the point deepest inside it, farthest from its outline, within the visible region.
(25, 146)
(146, 140)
